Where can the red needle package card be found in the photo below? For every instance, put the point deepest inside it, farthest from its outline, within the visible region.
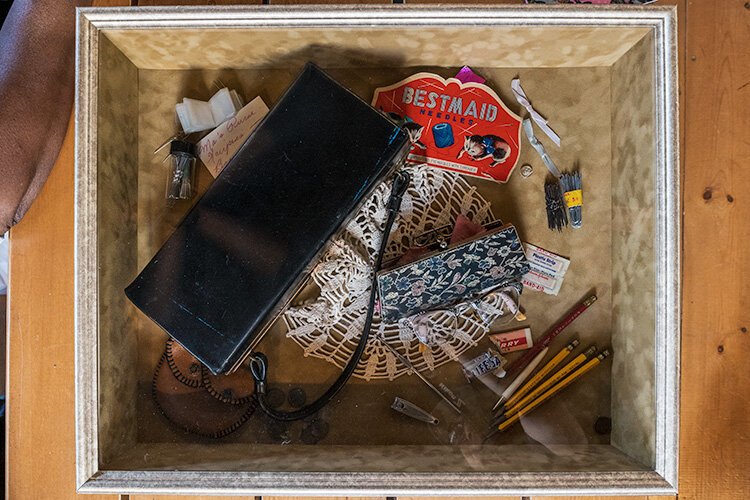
(457, 126)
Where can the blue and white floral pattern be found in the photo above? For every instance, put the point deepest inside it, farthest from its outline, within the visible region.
(455, 275)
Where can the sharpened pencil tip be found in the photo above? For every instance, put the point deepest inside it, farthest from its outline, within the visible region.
(499, 404)
(498, 419)
(490, 435)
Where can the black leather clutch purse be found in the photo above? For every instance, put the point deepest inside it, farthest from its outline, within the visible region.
(248, 244)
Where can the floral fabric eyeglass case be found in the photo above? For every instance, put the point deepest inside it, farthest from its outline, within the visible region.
(452, 276)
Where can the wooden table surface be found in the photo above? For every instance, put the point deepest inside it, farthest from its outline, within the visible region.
(715, 416)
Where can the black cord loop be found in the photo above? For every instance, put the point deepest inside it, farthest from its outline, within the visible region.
(259, 362)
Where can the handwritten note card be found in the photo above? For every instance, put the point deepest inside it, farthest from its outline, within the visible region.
(218, 147)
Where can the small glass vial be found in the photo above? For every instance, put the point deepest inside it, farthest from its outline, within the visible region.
(181, 170)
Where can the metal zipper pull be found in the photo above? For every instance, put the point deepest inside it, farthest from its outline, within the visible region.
(411, 410)
(434, 238)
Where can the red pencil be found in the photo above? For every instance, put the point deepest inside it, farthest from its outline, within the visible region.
(524, 360)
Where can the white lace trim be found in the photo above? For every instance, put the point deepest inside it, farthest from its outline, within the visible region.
(329, 326)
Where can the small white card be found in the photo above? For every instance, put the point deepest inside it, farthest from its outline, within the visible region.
(218, 147)
(547, 270)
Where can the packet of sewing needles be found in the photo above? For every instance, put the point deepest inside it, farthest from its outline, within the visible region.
(573, 197)
(557, 213)
(456, 124)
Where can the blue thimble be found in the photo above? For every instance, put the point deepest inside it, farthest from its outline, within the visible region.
(443, 134)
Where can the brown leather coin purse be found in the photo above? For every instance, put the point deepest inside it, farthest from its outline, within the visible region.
(211, 406)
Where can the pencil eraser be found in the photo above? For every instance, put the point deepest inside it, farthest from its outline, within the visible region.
(515, 340)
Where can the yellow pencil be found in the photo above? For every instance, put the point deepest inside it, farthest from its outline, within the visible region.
(546, 370)
(558, 376)
(551, 392)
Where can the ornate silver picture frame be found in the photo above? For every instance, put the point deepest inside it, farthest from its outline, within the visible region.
(97, 420)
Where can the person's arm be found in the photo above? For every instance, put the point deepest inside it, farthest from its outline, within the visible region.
(37, 68)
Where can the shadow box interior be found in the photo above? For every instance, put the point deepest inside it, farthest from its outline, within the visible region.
(596, 88)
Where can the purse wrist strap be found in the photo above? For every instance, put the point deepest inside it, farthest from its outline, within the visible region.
(259, 362)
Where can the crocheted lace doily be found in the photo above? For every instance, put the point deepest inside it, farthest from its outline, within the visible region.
(329, 326)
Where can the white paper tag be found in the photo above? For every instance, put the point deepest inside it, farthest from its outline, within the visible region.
(541, 279)
(218, 147)
(547, 270)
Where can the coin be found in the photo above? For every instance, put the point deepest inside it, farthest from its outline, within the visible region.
(314, 431)
(297, 397)
(275, 397)
(603, 425)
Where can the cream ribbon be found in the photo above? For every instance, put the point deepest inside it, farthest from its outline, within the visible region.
(520, 95)
(540, 148)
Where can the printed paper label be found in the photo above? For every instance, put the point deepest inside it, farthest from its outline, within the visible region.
(547, 270)
(462, 127)
(573, 198)
(218, 147)
(516, 340)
